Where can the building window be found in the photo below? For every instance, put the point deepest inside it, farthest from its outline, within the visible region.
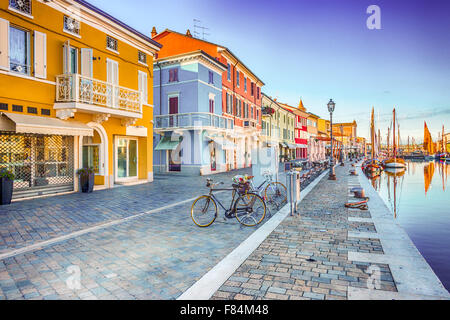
(211, 105)
(19, 50)
(173, 75)
(23, 6)
(237, 78)
(211, 77)
(142, 57)
(245, 84)
(228, 104)
(71, 25)
(111, 43)
(252, 88)
(228, 72)
(239, 109)
(257, 92)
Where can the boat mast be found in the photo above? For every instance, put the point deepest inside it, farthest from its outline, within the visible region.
(408, 145)
(394, 146)
(388, 145)
(372, 134)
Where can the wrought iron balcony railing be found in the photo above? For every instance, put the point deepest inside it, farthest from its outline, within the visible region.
(77, 88)
(193, 120)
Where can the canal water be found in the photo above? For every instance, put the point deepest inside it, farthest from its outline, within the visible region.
(420, 201)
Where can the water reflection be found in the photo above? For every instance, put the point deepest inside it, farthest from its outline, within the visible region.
(419, 200)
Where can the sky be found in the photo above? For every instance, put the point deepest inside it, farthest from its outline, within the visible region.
(321, 49)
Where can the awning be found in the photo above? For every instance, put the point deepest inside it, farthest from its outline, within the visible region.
(166, 143)
(223, 142)
(291, 146)
(302, 146)
(22, 123)
(284, 145)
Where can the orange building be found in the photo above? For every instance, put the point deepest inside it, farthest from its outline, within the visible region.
(241, 92)
(346, 133)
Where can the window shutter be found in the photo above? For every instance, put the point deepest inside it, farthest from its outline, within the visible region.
(143, 86)
(67, 58)
(86, 62)
(4, 44)
(40, 55)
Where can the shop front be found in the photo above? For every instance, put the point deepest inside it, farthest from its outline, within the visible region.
(40, 153)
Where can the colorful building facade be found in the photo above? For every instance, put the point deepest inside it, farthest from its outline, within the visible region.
(241, 92)
(191, 135)
(74, 93)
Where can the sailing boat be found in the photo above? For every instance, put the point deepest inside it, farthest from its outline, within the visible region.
(372, 167)
(428, 144)
(395, 162)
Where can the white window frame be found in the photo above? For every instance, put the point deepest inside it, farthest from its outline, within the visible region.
(116, 157)
(28, 73)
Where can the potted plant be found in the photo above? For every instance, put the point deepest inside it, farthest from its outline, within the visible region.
(87, 178)
(6, 186)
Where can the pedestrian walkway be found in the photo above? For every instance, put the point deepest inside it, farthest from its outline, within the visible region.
(28, 222)
(157, 255)
(327, 252)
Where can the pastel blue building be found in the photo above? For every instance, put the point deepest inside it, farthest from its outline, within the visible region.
(190, 133)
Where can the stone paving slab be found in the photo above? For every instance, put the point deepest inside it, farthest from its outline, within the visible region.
(306, 257)
(24, 223)
(155, 256)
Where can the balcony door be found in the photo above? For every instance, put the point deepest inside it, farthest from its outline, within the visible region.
(126, 159)
(173, 110)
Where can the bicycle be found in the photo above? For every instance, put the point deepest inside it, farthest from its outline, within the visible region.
(248, 208)
(275, 193)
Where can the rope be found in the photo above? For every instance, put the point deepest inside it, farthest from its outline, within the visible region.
(362, 205)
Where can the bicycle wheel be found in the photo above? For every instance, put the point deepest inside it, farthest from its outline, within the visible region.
(250, 209)
(204, 211)
(276, 194)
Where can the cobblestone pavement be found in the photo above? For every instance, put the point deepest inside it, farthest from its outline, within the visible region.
(306, 256)
(26, 222)
(153, 256)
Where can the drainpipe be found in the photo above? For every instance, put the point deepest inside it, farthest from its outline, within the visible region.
(160, 107)
(232, 102)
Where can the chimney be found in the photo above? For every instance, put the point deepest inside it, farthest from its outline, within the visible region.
(154, 33)
(188, 33)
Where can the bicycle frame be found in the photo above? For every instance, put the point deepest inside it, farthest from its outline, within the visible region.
(211, 194)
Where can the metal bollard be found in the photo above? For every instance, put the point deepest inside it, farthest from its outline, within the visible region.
(297, 191)
(293, 190)
(290, 190)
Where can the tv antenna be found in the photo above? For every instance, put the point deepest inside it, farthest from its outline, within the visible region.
(199, 31)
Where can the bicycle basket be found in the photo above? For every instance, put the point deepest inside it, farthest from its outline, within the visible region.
(243, 187)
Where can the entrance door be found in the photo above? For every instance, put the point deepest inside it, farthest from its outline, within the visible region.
(126, 159)
(175, 159)
(213, 159)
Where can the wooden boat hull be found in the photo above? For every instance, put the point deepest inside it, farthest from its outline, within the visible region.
(395, 165)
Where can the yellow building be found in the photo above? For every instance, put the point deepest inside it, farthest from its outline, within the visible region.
(75, 91)
(322, 128)
(278, 127)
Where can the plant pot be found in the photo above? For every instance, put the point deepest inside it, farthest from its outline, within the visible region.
(87, 182)
(6, 189)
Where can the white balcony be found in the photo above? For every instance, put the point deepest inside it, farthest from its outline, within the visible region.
(193, 121)
(79, 93)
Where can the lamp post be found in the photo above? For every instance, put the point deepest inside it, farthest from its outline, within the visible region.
(331, 106)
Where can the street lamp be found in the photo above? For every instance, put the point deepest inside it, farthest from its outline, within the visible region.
(331, 106)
